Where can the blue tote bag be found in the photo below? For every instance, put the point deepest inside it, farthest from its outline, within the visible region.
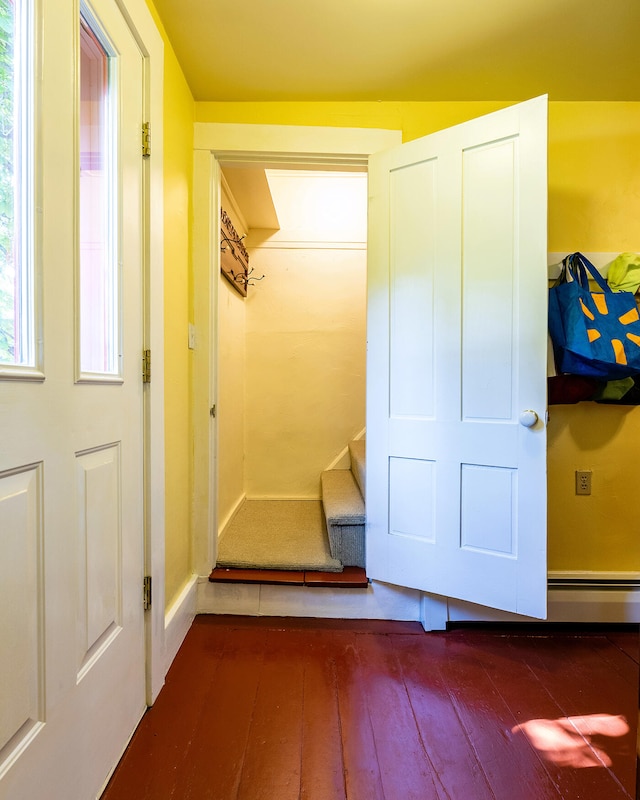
(594, 333)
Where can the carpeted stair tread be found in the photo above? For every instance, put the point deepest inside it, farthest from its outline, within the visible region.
(357, 455)
(277, 534)
(344, 512)
(341, 498)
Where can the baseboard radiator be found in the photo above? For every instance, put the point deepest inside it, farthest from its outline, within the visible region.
(597, 597)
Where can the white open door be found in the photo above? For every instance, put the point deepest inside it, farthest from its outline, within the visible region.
(72, 661)
(457, 349)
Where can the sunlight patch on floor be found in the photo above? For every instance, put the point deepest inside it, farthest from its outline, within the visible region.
(568, 741)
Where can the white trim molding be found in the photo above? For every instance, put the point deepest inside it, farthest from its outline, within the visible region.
(152, 47)
(216, 144)
(377, 601)
(285, 146)
(593, 601)
(178, 619)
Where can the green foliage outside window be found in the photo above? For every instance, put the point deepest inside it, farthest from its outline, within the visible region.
(7, 184)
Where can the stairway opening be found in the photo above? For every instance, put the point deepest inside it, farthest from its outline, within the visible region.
(291, 371)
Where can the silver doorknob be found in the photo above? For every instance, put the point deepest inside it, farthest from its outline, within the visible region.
(528, 418)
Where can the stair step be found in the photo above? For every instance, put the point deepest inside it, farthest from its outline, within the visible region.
(345, 515)
(349, 578)
(357, 452)
(341, 498)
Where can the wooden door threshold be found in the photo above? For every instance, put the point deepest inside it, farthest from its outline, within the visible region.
(349, 578)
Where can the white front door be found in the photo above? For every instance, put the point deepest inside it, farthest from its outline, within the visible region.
(457, 347)
(72, 669)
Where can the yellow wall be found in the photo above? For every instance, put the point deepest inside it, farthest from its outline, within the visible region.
(178, 170)
(594, 205)
(594, 171)
(231, 388)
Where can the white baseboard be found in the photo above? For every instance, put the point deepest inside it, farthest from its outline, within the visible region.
(586, 602)
(378, 601)
(343, 460)
(284, 497)
(231, 514)
(177, 621)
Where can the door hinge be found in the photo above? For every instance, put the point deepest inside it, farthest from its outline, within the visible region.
(146, 592)
(146, 139)
(212, 410)
(146, 366)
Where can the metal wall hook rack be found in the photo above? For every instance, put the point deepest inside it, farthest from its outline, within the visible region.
(245, 278)
(225, 240)
(234, 258)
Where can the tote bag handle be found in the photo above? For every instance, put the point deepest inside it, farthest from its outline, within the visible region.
(577, 266)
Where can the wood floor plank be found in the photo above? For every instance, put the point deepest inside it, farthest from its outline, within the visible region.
(628, 641)
(265, 576)
(273, 756)
(405, 768)
(220, 740)
(506, 660)
(510, 764)
(446, 742)
(349, 578)
(361, 766)
(583, 685)
(620, 660)
(322, 771)
(147, 771)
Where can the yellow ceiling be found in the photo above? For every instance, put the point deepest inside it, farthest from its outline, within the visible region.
(256, 50)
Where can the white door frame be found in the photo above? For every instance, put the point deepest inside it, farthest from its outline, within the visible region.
(215, 143)
(144, 29)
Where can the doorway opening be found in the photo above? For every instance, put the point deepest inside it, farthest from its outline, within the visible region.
(291, 371)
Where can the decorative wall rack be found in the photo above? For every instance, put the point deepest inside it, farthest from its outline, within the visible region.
(234, 259)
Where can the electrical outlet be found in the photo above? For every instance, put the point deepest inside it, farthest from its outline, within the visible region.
(583, 481)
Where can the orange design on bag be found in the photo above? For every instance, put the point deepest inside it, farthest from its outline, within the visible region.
(618, 350)
(585, 310)
(600, 302)
(629, 317)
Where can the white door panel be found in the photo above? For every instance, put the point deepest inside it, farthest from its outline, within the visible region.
(72, 681)
(456, 486)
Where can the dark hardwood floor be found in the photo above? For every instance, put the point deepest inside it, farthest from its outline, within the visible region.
(277, 709)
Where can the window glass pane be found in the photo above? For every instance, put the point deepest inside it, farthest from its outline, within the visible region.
(99, 312)
(16, 267)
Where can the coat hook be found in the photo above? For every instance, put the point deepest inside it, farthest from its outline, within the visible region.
(244, 278)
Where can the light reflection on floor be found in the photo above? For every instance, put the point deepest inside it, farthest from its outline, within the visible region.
(567, 741)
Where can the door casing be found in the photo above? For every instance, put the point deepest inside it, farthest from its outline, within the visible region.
(270, 146)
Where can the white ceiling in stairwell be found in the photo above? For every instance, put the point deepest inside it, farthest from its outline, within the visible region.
(301, 205)
(320, 205)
